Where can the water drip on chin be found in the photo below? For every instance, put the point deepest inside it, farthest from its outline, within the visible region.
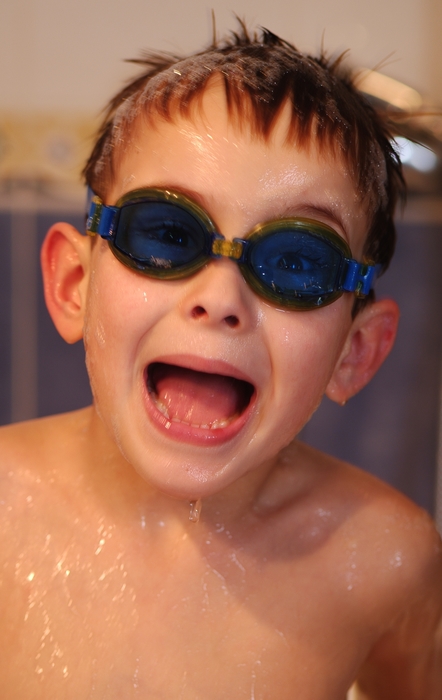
(195, 510)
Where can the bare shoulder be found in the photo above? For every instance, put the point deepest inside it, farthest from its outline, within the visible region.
(31, 454)
(384, 548)
(32, 439)
(33, 448)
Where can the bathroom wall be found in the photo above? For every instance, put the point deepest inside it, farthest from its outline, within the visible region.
(68, 55)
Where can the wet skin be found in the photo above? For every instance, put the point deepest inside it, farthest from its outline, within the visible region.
(302, 573)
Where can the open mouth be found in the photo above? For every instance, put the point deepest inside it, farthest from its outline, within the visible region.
(198, 399)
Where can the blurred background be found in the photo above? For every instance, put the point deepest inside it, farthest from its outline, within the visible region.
(61, 61)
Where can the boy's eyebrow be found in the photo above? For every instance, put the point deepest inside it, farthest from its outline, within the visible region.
(195, 196)
(323, 210)
(289, 212)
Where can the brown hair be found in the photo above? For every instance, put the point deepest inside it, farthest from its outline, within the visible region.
(260, 74)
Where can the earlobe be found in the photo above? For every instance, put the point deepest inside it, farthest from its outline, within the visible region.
(65, 259)
(368, 343)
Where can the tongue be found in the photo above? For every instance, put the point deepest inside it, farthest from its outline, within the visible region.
(198, 398)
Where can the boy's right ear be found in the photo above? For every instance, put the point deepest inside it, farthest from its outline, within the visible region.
(65, 261)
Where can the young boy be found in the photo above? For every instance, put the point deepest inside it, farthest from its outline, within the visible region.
(295, 574)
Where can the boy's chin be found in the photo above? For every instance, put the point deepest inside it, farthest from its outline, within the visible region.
(187, 478)
(184, 469)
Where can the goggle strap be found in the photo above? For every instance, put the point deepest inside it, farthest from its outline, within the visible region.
(359, 277)
(101, 219)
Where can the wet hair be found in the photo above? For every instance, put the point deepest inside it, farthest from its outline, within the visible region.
(261, 73)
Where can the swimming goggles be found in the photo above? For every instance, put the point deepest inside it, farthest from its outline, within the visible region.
(294, 263)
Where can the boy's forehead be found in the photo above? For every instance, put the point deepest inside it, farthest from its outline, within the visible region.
(210, 114)
(212, 129)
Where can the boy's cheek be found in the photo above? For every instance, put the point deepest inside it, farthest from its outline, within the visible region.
(310, 342)
(109, 326)
(305, 348)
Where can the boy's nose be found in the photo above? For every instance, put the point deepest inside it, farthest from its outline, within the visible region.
(218, 294)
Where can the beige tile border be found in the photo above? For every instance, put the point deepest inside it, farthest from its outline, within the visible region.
(45, 147)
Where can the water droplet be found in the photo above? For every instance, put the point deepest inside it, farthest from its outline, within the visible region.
(195, 510)
(238, 563)
(396, 560)
(323, 513)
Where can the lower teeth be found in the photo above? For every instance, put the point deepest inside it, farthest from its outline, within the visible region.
(215, 425)
(220, 423)
(162, 408)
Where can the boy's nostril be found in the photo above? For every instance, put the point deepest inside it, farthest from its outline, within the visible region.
(198, 311)
(232, 321)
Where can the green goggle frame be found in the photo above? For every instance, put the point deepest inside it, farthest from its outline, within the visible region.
(294, 263)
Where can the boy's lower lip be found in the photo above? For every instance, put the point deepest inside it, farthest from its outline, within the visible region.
(215, 433)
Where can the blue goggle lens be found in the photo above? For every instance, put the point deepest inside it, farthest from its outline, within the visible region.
(296, 265)
(160, 236)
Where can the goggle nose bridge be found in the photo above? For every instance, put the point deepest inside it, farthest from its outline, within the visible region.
(222, 248)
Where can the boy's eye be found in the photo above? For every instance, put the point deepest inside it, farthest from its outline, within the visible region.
(297, 262)
(171, 234)
(156, 235)
(288, 253)
(176, 236)
(165, 240)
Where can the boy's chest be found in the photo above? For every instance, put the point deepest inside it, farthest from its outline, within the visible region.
(192, 627)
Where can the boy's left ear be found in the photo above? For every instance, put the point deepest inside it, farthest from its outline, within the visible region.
(368, 343)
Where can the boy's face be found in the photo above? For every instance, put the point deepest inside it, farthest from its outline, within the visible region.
(138, 330)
